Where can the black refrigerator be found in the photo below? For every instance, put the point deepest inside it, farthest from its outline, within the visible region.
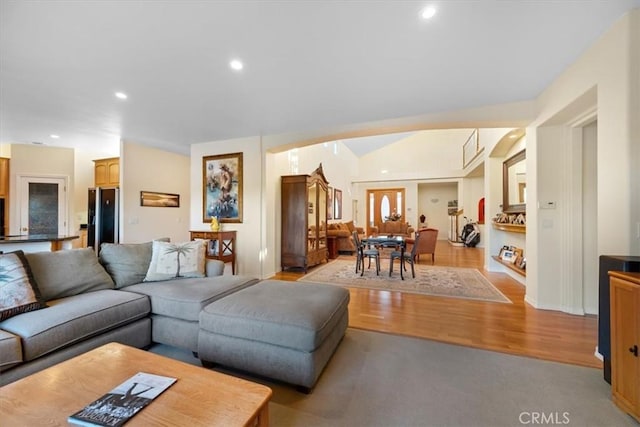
(103, 216)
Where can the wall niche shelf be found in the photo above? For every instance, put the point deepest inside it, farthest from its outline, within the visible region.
(513, 228)
(510, 266)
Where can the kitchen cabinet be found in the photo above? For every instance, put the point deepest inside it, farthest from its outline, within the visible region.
(107, 172)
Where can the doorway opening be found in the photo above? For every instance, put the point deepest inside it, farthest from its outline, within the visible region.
(383, 204)
(43, 205)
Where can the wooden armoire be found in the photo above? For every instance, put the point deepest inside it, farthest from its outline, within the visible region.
(304, 220)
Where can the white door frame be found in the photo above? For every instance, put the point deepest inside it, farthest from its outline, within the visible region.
(22, 196)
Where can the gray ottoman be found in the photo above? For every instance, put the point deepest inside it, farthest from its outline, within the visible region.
(282, 330)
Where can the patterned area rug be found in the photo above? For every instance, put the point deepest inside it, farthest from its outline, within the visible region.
(454, 282)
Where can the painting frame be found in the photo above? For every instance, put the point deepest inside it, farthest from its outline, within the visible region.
(154, 199)
(222, 183)
(329, 203)
(337, 201)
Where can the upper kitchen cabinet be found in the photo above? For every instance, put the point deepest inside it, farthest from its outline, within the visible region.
(107, 172)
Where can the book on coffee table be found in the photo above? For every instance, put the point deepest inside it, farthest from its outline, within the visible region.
(123, 402)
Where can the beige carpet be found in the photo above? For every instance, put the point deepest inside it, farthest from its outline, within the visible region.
(454, 282)
(385, 380)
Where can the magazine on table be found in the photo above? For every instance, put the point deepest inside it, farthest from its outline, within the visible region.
(123, 402)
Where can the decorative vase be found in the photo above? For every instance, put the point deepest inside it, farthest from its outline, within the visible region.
(215, 224)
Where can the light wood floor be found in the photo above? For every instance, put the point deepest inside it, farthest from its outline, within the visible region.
(514, 328)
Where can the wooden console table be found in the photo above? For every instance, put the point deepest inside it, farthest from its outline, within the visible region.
(222, 246)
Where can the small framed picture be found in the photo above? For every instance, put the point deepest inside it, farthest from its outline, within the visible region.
(502, 250)
(508, 256)
(159, 200)
(523, 263)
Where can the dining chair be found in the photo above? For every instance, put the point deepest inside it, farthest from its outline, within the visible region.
(362, 251)
(409, 257)
(427, 245)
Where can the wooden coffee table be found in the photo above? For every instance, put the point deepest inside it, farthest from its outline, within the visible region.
(200, 397)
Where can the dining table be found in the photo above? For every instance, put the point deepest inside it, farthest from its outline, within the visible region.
(389, 241)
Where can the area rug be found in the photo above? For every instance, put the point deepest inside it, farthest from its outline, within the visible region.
(456, 282)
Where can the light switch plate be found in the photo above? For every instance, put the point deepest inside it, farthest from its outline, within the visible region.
(547, 205)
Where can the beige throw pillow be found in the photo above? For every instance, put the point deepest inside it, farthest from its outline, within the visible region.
(176, 260)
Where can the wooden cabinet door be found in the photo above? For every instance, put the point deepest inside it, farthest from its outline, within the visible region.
(113, 172)
(625, 340)
(4, 177)
(100, 174)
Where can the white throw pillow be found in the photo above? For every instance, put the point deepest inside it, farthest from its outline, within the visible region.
(176, 260)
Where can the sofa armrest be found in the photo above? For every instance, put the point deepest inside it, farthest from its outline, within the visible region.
(374, 229)
(214, 267)
(410, 231)
(360, 230)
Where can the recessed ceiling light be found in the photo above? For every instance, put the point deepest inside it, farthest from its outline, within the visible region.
(121, 95)
(428, 12)
(384, 171)
(54, 136)
(513, 136)
(37, 143)
(236, 64)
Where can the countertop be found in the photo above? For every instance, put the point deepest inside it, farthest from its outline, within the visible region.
(31, 238)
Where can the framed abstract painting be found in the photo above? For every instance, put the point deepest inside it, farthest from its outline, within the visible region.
(222, 187)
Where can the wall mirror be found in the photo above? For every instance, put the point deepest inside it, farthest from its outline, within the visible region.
(514, 183)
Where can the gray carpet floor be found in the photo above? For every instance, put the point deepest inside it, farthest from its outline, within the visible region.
(377, 379)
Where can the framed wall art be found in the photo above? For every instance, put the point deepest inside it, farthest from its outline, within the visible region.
(329, 203)
(159, 200)
(222, 187)
(337, 200)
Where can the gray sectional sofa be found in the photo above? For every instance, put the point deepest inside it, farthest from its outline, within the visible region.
(281, 330)
(91, 302)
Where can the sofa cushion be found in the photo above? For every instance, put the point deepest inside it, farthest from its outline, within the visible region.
(69, 272)
(177, 260)
(10, 350)
(73, 319)
(350, 226)
(126, 263)
(19, 292)
(185, 298)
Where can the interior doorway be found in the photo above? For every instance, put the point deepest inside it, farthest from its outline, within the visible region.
(382, 203)
(43, 205)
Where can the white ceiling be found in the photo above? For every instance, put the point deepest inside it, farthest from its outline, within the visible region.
(308, 64)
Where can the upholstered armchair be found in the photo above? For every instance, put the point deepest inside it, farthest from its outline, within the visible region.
(426, 244)
(397, 228)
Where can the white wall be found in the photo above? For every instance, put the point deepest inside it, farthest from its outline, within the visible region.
(611, 66)
(432, 202)
(40, 161)
(433, 154)
(590, 217)
(251, 233)
(149, 169)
